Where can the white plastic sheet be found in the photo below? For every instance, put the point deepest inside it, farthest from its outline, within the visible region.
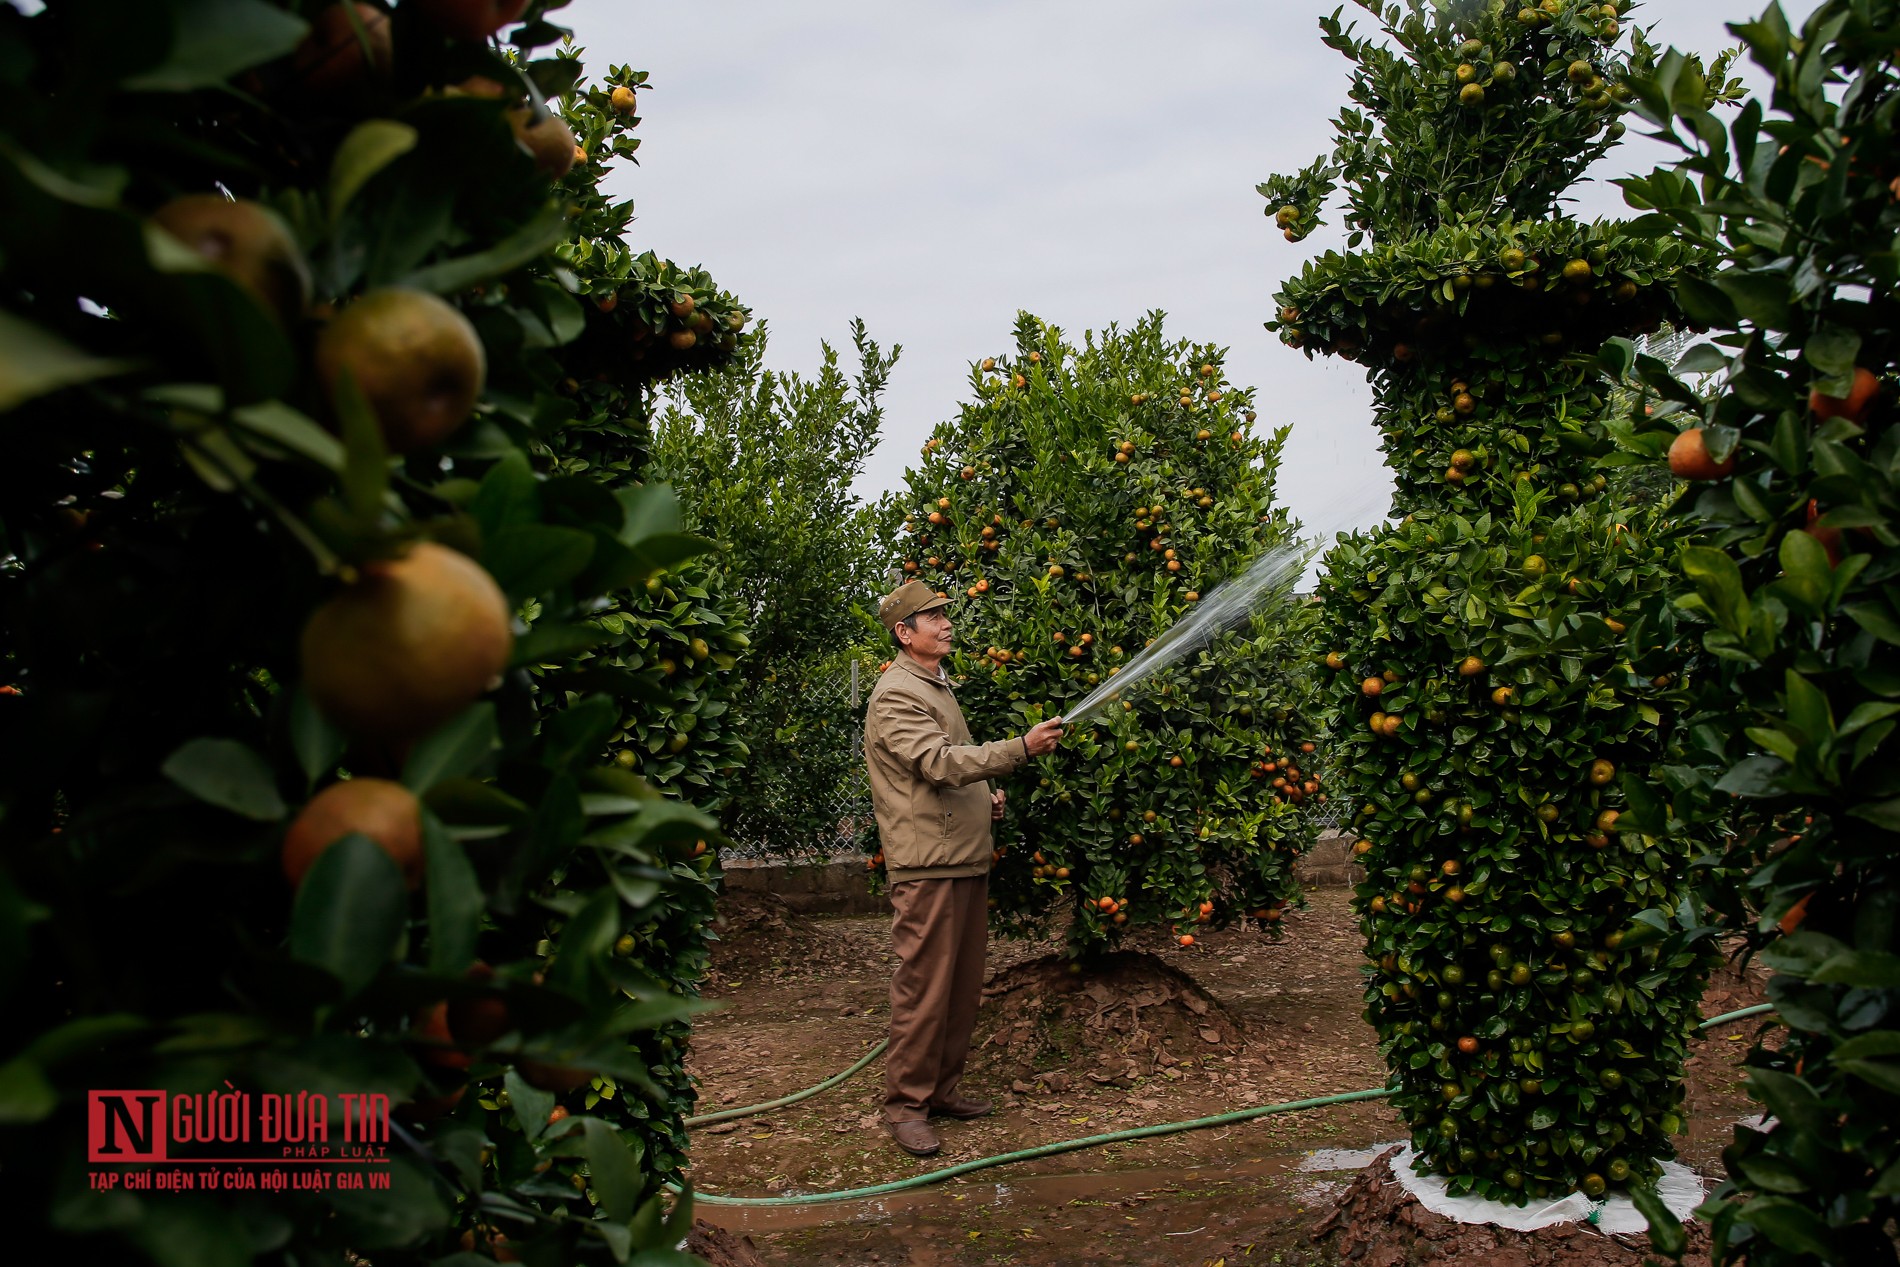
(1679, 1187)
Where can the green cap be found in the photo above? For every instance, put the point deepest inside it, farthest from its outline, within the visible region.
(906, 601)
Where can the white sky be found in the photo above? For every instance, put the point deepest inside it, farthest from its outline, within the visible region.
(934, 169)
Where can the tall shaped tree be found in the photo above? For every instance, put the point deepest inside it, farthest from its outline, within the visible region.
(1500, 694)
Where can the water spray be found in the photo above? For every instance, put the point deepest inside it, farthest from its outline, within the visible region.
(1266, 582)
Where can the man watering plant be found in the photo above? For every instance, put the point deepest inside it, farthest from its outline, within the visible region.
(930, 787)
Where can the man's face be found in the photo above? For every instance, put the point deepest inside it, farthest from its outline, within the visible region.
(931, 637)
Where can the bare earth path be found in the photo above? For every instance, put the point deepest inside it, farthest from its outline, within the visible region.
(1234, 1194)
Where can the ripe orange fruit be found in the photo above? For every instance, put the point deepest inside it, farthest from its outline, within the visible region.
(385, 811)
(435, 1044)
(470, 19)
(1362, 847)
(1372, 687)
(1501, 696)
(1186, 939)
(1852, 406)
(247, 243)
(416, 359)
(413, 642)
(1606, 821)
(1601, 771)
(559, 1079)
(1470, 666)
(1468, 1045)
(331, 61)
(1689, 458)
(621, 98)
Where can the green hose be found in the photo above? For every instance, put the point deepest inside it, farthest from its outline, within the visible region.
(727, 1114)
(1067, 1145)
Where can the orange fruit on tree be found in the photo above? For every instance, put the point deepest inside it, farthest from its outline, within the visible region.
(248, 243)
(1689, 458)
(407, 646)
(416, 359)
(1852, 406)
(1372, 686)
(469, 19)
(1468, 1045)
(385, 811)
(333, 61)
(621, 99)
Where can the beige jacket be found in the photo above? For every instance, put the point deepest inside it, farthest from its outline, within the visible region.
(929, 783)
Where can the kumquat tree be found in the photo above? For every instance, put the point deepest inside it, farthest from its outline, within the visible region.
(1080, 505)
(1500, 658)
(1792, 460)
(299, 305)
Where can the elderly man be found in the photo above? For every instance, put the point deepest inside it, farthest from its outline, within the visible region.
(930, 788)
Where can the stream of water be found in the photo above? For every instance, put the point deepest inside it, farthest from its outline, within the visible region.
(1266, 583)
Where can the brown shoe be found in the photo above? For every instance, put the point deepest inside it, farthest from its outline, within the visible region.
(958, 1107)
(919, 1139)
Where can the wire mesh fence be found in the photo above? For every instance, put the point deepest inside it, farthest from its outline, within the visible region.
(807, 796)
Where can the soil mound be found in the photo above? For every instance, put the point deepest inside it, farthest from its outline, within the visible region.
(1125, 1016)
(759, 933)
(720, 1248)
(1377, 1223)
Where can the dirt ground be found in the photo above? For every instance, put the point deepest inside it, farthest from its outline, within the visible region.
(801, 999)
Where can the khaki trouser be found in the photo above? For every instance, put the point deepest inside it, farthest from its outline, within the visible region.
(939, 932)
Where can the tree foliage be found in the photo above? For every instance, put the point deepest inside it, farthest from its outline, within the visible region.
(1499, 657)
(1791, 587)
(214, 441)
(768, 459)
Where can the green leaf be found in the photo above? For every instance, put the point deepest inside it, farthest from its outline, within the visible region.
(613, 1165)
(385, 1218)
(279, 423)
(1666, 1234)
(652, 509)
(458, 748)
(318, 744)
(34, 362)
(1718, 581)
(228, 774)
(556, 642)
(1754, 776)
(366, 462)
(1760, 297)
(536, 559)
(215, 39)
(25, 1094)
(456, 901)
(371, 146)
(349, 911)
(1884, 814)
(1869, 969)
(577, 735)
(531, 1105)
(509, 495)
(1808, 709)
(1791, 1226)
(1833, 350)
(522, 247)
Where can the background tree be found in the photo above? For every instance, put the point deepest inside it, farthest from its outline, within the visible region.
(1499, 673)
(1080, 505)
(1794, 466)
(216, 454)
(767, 461)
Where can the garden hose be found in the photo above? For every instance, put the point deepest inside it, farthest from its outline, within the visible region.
(725, 1115)
(1060, 1146)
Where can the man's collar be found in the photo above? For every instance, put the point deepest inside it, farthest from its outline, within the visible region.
(940, 678)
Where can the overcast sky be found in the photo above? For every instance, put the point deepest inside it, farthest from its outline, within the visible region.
(935, 168)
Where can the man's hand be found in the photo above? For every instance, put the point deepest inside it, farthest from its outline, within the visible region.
(996, 806)
(1043, 737)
